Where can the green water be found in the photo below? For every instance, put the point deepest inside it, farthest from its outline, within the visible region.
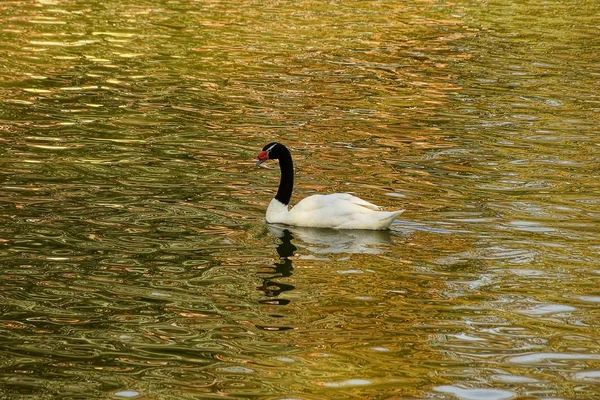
(134, 259)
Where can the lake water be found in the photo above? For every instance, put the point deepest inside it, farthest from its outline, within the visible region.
(134, 258)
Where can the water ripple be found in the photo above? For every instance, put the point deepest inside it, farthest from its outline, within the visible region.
(135, 259)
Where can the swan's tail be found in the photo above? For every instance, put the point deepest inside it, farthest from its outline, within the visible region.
(387, 217)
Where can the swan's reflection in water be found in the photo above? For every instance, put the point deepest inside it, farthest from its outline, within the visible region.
(282, 269)
(332, 241)
(318, 241)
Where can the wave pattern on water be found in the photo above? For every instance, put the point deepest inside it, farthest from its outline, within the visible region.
(134, 261)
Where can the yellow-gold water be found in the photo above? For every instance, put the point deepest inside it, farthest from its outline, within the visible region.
(134, 260)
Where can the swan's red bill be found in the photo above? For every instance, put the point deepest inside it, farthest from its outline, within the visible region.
(262, 157)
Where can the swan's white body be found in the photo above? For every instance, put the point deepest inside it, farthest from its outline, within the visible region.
(337, 211)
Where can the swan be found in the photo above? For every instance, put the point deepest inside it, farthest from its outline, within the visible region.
(337, 210)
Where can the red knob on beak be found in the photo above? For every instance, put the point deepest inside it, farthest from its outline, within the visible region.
(262, 157)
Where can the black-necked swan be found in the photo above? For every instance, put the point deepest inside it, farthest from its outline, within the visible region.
(337, 211)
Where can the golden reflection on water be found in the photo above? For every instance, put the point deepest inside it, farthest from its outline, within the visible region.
(135, 262)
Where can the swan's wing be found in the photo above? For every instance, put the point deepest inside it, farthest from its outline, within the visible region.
(353, 199)
(318, 201)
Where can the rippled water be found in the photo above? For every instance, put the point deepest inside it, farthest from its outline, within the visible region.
(135, 262)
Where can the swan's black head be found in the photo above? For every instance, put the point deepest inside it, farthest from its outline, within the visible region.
(272, 151)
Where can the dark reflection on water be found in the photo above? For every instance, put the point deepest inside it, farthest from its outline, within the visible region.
(134, 261)
(282, 269)
(318, 241)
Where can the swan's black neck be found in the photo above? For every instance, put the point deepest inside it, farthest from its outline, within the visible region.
(286, 184)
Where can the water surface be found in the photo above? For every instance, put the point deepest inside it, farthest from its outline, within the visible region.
(134, 260)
